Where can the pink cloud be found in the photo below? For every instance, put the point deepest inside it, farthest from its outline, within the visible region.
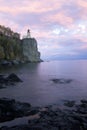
(82, 3)
(42, 17)
(59, 18)
(29, 6)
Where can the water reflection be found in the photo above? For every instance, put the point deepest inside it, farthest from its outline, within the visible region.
(31, 67)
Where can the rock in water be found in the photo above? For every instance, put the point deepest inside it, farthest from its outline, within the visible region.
(13, 78)
(62, 81)
(69, 103)
(10, 80)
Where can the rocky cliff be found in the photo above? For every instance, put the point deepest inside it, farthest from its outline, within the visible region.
(30, 50)
(10, 48)
(13, 49)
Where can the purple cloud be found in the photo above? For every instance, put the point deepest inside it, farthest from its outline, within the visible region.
(60, 27)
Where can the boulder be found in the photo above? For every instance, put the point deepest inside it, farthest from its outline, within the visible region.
(61, 81)
(13, 78)
(10, 80)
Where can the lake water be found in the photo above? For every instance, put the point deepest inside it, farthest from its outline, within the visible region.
(37, 87)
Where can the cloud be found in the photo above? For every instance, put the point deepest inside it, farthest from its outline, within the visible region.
(59, 18)
(59, 26)
(28, 6)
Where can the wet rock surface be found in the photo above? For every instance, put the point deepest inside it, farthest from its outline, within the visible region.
(10, 109)
(45, 118)
(61, 81)
(69, 103)
(9, 80)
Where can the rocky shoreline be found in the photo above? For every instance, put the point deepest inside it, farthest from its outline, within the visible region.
(72, 116)
(10, 80)
(23, 116)
(9, 63)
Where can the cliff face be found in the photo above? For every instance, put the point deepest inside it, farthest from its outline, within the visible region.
(14, 49)
(10, 48)
(30, 50)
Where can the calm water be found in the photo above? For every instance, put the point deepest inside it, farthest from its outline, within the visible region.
(37, 87)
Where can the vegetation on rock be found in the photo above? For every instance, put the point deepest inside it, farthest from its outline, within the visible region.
(12, 47)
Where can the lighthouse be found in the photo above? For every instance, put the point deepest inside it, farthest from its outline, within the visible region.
(28, 34)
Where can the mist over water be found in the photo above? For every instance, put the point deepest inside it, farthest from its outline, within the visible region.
(37, 87)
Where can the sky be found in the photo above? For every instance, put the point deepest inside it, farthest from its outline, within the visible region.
(59, 26)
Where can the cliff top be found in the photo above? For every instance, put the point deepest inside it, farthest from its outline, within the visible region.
(6, 31)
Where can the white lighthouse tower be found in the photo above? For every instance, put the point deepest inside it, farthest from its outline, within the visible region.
(28, 34)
